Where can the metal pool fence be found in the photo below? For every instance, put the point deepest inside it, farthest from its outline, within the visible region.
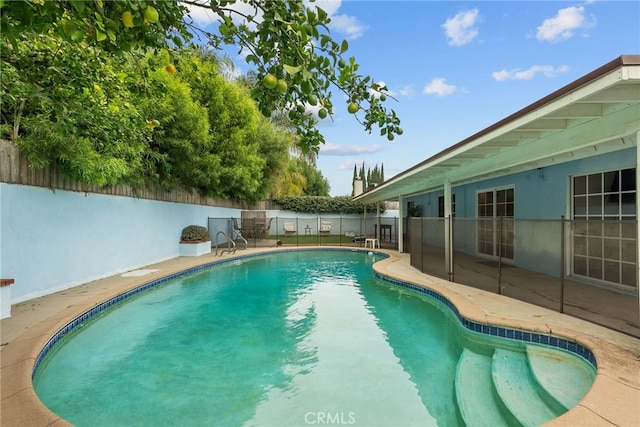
(258, 230)
(586, 269)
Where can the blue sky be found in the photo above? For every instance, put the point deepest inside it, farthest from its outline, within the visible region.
(457, 67)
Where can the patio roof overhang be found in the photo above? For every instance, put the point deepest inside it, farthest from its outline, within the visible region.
(595, 114)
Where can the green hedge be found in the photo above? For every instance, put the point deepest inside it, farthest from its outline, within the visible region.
(326, 205)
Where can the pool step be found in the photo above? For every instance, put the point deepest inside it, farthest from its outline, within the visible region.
(526, 386)
(477, 400)
(518, 389)
(563, 380)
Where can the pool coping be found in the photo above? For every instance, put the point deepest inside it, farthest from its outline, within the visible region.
(612, 399)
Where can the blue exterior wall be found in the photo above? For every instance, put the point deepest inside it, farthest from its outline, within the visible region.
(52, 241)
(539, 195)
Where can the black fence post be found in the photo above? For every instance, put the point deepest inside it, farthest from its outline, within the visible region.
(562, 262)
(500, 257)
(451, 250)
(421, 244)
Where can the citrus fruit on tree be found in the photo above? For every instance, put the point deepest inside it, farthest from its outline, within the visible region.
(127, 19)
(353, 108)
(312, 99)
(151, 14)
(171, 69)
(270, 81)
(322, 113)
(281, 86)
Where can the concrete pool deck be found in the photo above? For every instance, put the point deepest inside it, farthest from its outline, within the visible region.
(613, 399)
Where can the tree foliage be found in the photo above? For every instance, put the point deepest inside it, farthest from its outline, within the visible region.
(327, 205)
(371, 179)
(285, 39)
(142, 124)
(50, 96)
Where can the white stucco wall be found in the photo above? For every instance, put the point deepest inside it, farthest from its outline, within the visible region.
(50, 241)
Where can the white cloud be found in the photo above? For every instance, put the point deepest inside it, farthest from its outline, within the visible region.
(348, 25)
(461, 29)
(201, 15)
(406, 91)
(530, 73)
(377, 93)
(564, 24)
(329, 6)
(345, 24)
(348, 150)
(347, 164)
(439, 87)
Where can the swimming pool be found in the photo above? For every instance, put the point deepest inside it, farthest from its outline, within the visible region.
(295, 338)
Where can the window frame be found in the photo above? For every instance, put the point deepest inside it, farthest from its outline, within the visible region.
(603, 238)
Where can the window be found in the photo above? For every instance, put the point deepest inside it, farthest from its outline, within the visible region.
(441, 205)
(604, 227)
(495, 213)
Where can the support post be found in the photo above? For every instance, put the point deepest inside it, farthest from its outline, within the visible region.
(637, 222)
(378, 221)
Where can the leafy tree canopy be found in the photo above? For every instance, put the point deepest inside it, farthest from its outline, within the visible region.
(286, 41)
(327, 205)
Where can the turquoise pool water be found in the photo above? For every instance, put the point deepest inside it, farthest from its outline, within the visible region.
(294, 338)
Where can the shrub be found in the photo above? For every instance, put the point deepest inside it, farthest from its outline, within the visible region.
(195, 233)
(326, 205)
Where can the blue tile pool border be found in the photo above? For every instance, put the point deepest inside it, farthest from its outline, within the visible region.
(525, 336)
(499, 331)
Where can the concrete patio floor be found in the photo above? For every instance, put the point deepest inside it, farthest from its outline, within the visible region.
(613, 399)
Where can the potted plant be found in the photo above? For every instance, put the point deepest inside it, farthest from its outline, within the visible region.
(195, 241)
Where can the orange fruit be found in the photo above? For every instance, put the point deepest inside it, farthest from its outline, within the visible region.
(171, 69)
